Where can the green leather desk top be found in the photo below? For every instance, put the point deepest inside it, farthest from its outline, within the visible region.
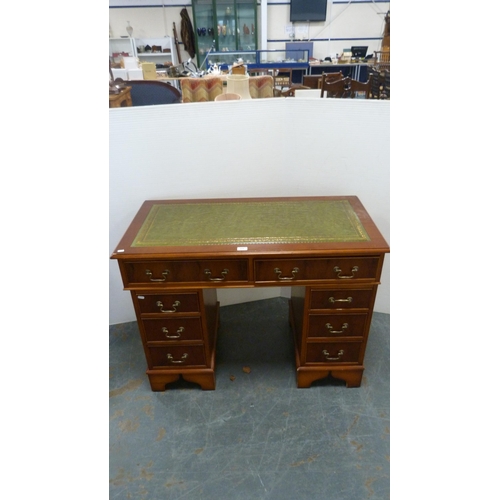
(244, 222)
(229, 227)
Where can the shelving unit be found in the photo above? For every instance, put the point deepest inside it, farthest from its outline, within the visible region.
(160, 57)
(122, 46)
(135, 47)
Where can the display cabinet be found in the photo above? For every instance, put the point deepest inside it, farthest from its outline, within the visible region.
(227, 59)
(224, 26)
(295, 60)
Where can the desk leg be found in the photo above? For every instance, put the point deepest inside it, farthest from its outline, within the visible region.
(352, 376)
(204, 378)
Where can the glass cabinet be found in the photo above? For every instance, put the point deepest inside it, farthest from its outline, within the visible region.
(298, 59)
(224, 26)
(226, 59)
(261, 59)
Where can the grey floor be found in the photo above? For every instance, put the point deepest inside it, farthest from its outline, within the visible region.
(256, 436)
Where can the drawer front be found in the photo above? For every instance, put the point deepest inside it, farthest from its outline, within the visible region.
(173, 329)
(343, 269)
(337, 325)
(333, 352)
(168, 303)
(163, 272)
(341, 298)
(177, 356)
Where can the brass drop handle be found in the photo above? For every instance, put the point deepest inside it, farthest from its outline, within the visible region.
(339, 354)
(149, 274)
(170, 358)
(345, 326)
(278, 271)
(333, 300)
(222, 278)
(337, 270)
(179, 332)
(175, 305)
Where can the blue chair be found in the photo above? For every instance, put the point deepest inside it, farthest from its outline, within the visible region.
(149, 92)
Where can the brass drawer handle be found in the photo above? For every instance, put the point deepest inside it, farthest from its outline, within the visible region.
(337, 270)
(164, 274)
(179, 333)
(222, 278)
(175, 305)
(339, 354)
(278, 271)
(170, 358)
(333, 300)
(345, 326)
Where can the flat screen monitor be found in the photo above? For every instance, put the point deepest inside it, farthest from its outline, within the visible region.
(307, 10)
(359, 52)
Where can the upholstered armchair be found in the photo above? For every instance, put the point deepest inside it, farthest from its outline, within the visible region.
(207, 89)
(200, 89)
(149, 92)
(261, 86)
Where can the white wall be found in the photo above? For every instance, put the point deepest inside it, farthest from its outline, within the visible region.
(348, 23)
(260, 147)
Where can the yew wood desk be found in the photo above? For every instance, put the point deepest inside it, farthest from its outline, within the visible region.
(176, 253)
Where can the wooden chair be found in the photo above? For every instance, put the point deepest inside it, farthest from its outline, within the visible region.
(385, 91)
(283, 78)
(356, 88)
(333, 77)
(337, 88)
(291, 91)
(380, 84)
(375, 80)
(314, 81)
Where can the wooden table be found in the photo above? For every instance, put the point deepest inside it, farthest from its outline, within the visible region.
(176, 253)
(120, 100)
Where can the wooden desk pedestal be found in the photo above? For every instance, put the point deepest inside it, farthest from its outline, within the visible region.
(175, 255)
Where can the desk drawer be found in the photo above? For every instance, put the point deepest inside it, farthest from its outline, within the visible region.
(162, 272)
(336, 325)
(173, 329)
(333, 352)
(341, 298)
(168, 303)
(177, 356)
(343, 269)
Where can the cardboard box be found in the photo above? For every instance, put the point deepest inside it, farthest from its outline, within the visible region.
(119, 73)
(130, 63)
(135, 74)
(149, 71)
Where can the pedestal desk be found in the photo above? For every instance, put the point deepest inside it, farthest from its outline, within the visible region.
(176, 253)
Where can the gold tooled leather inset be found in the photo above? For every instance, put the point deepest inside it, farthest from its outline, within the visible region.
(241, 223)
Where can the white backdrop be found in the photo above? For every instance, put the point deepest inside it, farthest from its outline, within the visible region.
(261, 147)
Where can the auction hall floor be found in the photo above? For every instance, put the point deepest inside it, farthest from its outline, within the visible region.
(257, 436)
